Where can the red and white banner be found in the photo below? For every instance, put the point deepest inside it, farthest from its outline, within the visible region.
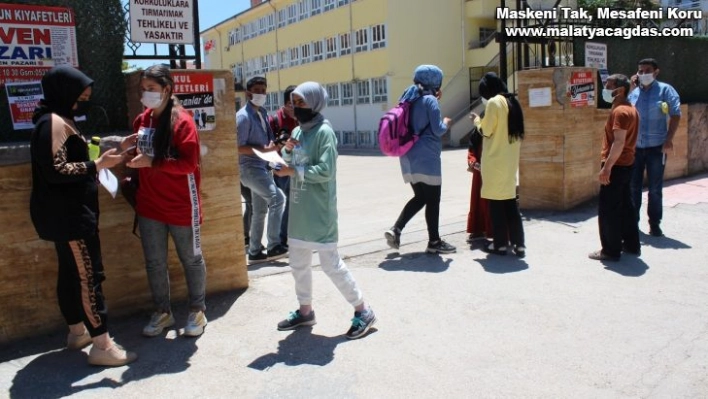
(33, 39)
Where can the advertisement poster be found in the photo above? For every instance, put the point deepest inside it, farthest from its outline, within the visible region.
(33, 39)
(581, 89)
(196, 92)
(22, 99)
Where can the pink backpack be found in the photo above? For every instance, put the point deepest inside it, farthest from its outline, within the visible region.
(396, 136)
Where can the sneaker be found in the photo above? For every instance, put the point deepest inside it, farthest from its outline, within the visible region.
(195, 324)
(158, 322)
(361, 323)
(519, 251)
(655, 230)
(257, 258)
(440, 247)
(296, 320)
(475, 237)
(489, 248)
(76, 342)
(277, 252)
(599, 255)
(112, 357)
(393, 238)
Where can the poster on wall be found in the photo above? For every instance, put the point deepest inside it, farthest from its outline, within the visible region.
(33, 39)
(581, 89)
(196, 92)
(22, 99)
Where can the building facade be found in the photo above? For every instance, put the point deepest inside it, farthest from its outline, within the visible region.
(363, 51)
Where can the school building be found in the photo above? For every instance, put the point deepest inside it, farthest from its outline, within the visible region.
(364, 53)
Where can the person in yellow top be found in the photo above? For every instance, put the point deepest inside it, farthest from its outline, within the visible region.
(503, 130)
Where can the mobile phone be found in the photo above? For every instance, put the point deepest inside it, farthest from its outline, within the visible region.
(127, 150)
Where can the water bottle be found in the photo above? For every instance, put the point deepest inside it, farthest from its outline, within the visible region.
(94, 148)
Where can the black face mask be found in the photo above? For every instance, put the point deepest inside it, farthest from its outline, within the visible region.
(82, 108)
(304, 115)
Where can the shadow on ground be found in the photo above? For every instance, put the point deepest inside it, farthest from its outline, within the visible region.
(415, 262)
(302, 347)
(663, 242)
(628, 266)
(61, 373)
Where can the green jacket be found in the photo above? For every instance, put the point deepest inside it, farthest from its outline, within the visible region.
(313, 189)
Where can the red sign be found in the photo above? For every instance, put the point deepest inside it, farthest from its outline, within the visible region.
(581, 89)
(33, 39)
(196, 93)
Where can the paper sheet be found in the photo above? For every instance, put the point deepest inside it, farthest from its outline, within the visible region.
(109, 181)
(270, 156)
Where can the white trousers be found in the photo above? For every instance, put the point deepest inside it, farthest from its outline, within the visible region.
(332, 264)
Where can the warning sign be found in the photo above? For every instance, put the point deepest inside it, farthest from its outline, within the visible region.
(581, 89)
(162, 21)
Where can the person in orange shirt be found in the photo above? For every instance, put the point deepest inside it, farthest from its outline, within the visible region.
(619, 229)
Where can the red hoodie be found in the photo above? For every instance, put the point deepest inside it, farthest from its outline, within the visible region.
(169, 191)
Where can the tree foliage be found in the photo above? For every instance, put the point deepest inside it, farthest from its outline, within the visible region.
(100, 32)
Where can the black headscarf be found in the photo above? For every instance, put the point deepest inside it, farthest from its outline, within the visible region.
(490, 86)
(62, 86)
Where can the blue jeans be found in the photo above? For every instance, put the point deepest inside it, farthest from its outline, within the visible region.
(651, 158)
(266, 197)
(153, 235)
(283, 183)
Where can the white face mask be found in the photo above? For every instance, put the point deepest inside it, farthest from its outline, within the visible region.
(258, 99)
(607, 95)
(484, 101)
(646, 79)
(151, 99)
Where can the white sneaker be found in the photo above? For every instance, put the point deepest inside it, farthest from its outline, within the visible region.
(195, 324)
(114, 356)
(158, 322)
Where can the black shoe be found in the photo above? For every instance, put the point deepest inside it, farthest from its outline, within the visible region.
(632, 251)
(295, 320)
(655, 230)
(257, 258)
(393, 237)
(440, 247)
(489, 248)
(519, 250)
(361, 323)
(599, 255)
(277, 252)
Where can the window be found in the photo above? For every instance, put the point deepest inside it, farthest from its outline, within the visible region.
(294, 56)
(284, 59)
(271, 22)
(331, 47)
(362, 40)
(341, 3)
(238, 73)
(272, 102)
(254, 28)
(246, 32)
(315, 7)
(292, 13)
(305, 53)
(234, 36)
(349, 138)
(379, 90)
(317, 51)
(363, 92)
(304, 9)
(344, 44)
(329, 4)
(282, 17)
(249, 68)
(333, 94)
(264, 64)
(347, 94)
(272, 61)
(378, 36)
(262, 24)
(366, 138)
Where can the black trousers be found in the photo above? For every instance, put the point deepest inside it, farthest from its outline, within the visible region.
(426, 196)
(617, 218)
(506, 223)
(246, 194)
(79, 289)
